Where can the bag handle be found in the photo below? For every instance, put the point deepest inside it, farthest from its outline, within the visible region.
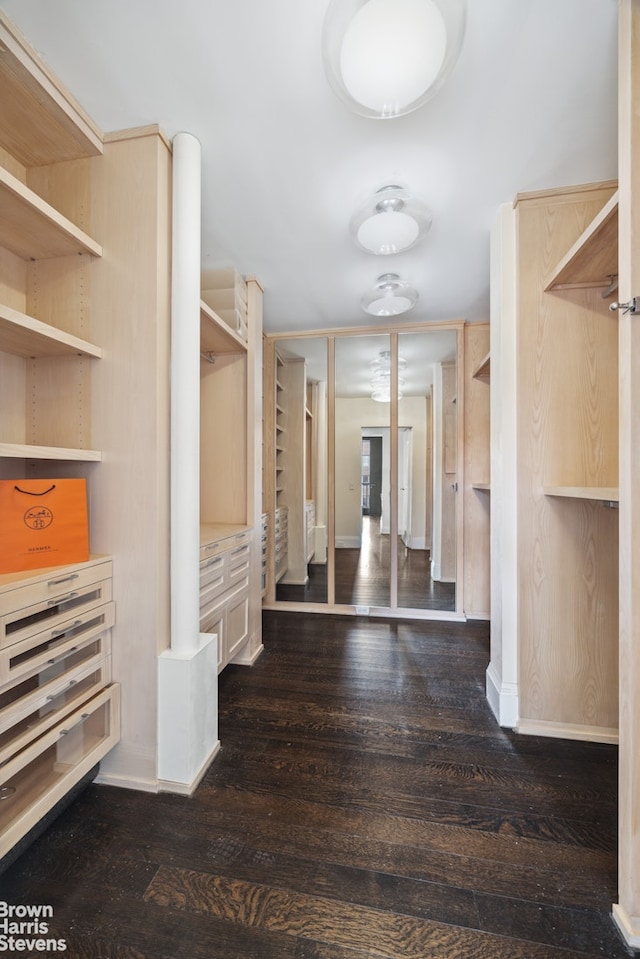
(29, 492)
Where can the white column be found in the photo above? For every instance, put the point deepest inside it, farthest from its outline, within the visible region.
(188, 671)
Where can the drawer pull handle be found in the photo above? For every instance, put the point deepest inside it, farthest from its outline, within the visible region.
(58, 659)
(57, 633)
(59, 600)
(212, 546)
(216, 561)
(241, 549)
(65, 579)
(83, 716)
(6, 792)
(72, 682)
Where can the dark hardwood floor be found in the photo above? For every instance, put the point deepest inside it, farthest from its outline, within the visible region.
(364, 804)
(362, 577)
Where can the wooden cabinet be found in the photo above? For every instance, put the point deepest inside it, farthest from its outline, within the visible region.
(231, 525)
(59, 711)
(558, 536)
(225, 554)
(293, 431)
(46, 255)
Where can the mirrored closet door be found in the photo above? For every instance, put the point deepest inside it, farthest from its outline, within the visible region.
(362, 436)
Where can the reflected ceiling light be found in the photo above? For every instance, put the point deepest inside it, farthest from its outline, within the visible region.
(383, 394)
(383, 363)
(390, 297)
(390, 221)
(386, 58)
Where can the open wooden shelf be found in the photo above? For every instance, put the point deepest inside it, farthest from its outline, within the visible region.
(593, 258)
(483, 487)
(28, 452)
(216, 337)
(23, 335)
(40, 122)
(32, 229)
(609, 494)
(483, 369)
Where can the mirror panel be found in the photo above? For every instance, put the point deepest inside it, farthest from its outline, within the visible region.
(362, 475)
(427, 470)
(301, 470)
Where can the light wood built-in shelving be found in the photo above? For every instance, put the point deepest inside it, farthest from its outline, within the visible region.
(483, 369)
(32, 229)
(25, 451)
(601, 493)
(216, 337)
(592, 261)
(483, 487)
(23, 335)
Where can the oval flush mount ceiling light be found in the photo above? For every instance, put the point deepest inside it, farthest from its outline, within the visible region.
(390, 221)
(390, 297)
(386, 58)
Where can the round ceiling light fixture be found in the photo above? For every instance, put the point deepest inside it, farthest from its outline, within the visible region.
(390, 297)
(386, 58)
(390, 221)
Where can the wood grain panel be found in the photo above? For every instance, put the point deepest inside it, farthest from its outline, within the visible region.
(477, 451)
(567, 429)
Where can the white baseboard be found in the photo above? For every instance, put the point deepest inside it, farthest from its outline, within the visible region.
(246, 656)
(348, 542)
(502, 698)
(187, 789)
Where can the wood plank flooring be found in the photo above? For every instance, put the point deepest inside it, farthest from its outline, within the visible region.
(362, 576)
(364, 804)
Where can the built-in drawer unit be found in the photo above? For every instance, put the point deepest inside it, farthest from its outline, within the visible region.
(310, 529)
(59, 712)
(264, 547)
(281, 559)
(39, 775)
(225, 564)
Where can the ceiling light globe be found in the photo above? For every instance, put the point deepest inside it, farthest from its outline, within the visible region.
(385, 58)
(392, 51)
(390, 221)
(390, 297)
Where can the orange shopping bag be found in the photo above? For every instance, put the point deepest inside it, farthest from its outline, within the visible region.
(42, 523)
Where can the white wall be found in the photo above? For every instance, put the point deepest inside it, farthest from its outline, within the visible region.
(352, 415)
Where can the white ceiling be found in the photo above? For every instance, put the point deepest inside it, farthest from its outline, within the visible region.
(531, 104)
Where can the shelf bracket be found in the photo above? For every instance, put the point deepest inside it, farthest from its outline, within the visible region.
(631, 306)
(208, 355)
(613, 286)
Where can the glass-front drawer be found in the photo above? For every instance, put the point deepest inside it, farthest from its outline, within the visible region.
(37, 777)
(46, 648)
(33, 705)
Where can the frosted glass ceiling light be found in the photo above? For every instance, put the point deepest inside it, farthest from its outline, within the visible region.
(385, 58)
(390, 296)
(390, 221)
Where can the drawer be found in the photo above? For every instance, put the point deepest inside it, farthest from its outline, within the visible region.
(239, 561)
(213, 579)
(41, 774)
(225, 544)
(33, 590)
(33, 705)
(48, 647)
(21, 623)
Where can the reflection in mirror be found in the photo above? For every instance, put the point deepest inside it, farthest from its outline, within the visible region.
(362, 472)
(301, 470)
(427, 470)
